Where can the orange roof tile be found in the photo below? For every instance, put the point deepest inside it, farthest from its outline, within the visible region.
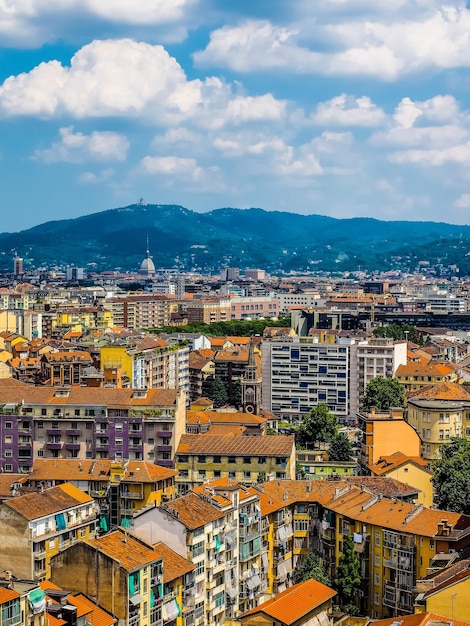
(391, 462)
(8, 594)
(35, 505)
(98, 616)
(421, 620)
(129, 551)
(443, 391)
(192, 511)
(219, 444)
(174, 565)
(294, 603)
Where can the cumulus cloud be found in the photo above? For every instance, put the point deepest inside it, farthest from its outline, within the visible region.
(383, 49)
(171, 166)
(346, 110)
(93, 178)
(458, 154)
(124, 78)
(33, 22)
(78, 148)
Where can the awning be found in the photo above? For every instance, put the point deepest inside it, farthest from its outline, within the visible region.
(281, 534)
(126, 522)
(232, 592)
(218, 544)
(136, 599)
(265, 561)
(357, 538)
(37, 601)
(170, 611)
(104, 523)
(323, 619)
(250, 583)
(60, 519)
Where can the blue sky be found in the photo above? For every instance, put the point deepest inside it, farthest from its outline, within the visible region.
(339, 107)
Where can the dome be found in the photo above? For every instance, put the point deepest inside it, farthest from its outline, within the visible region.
(147, 267)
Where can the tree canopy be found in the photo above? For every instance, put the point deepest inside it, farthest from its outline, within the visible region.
(232, 328)
(219, 393)
(348, 574)
(311, 568)
(398, 332)
(451, 478)
(340, 448)
(319, 426)
(383, 393)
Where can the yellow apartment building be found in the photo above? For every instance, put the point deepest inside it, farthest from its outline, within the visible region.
(413, 471)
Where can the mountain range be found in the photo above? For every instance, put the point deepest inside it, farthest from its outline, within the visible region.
(229, 237)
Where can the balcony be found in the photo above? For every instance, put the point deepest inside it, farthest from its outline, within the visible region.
(39, 554)
(133, 495)
(164, 448)
(25, 432)
(164, 434)
(164, 462)
(73, 432)
(98, 493)
(72, 446)
(54, 445)
(102, 447)
(54, 431)
(39, 573)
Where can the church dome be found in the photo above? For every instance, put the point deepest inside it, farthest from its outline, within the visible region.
(147, 267)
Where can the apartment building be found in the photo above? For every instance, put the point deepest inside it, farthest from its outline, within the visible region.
(119, 488)
(141, 311)
(60, 368)
(82, 318)
(254, 307)
(128, 580)
(207, 309)
(194, 529)
(438, 413)
(383, 434)
(396, 541)
(299, 372)
(36, 526)
(379, 357)
(201, 375)
(413, 376)
(148, 362)
(245, 459)
(88, 423)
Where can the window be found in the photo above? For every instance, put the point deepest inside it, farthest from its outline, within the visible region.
(247, 460)
(199, 568)
(43, 411)
(217, 473)
(377, 598)
(183, 458)
(118, 441)
(377, 560)
(201, 458)
(8, 439)
(377, 538)
(246, 475)
(262, 460)
(300, 525)
(217, 459)
(431, 544)
(198, 549)
(151, 441)
(8, 453)
(376, 579)
(8, 425)
(40, 425)
(8, 467)
(231, 459)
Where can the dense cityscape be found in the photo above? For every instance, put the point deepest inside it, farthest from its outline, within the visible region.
(188, 449)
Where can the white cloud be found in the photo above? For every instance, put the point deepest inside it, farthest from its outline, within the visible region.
(346, 110)
(331, 143)
(171, 165)
(79, 148)
(33, 22)
(459, 154)
(463, 202)
(124, 78)
(437, 109)
(383, 49)
(92, 178)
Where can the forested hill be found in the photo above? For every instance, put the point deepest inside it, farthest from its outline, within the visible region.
(234, 237)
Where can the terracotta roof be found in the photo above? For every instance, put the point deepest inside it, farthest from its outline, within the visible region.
(384, 512)
(218, 490)
(424, 369)
(7, 480)
(389, 463)
(90, 470)
(197, 361)
(295, 602)
(98, 616)
(62, 357)
(130, 552)
(207, 353)
(383, 485)
(192, 511)
(17, 392)
(451, 580)
(232, 355)
(244, 446)
(444, 391)
(224, 417)
(8, 594)
(421, 620)
(233, 430)
(33, 506)
(174, 565)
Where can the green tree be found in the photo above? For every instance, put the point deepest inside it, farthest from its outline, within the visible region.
(451, 480)
(236, 394)
(311, 568)
(383, 393)
(340, 448)
(399, 332)
(218, 393)
(300, 471)
(319, 426)
(348, 574)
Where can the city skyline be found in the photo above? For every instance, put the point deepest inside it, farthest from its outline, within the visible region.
(347, 109)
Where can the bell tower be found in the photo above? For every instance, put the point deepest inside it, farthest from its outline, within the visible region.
(251, 385)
